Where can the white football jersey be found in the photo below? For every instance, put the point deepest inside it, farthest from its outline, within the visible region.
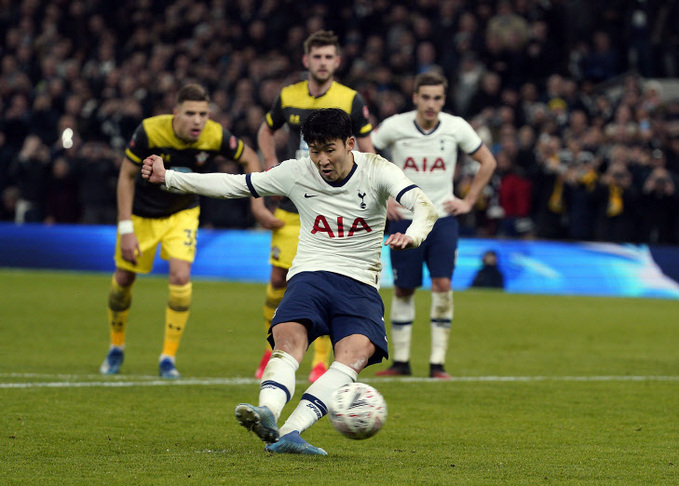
(342, 225)
(428, 159)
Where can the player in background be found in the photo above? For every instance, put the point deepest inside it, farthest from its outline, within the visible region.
(292, 106)
(424, 143)
(149, 215)
(333, 283)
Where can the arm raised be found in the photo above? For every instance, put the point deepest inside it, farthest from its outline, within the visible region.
(217, 185)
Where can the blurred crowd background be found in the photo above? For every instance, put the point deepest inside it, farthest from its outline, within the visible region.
(576, 98)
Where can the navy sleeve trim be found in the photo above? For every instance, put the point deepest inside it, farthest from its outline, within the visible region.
(400, 194)
(248, 181)
(475, 150)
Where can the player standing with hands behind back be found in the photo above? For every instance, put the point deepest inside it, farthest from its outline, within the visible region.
(291, 107)
(424, 144)
(149, 215)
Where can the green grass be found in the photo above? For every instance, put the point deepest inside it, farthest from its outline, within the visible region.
(548, 390)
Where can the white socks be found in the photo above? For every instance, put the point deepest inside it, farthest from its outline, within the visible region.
(278, 382)
(313, 404)
(441, 318)
(402, 317)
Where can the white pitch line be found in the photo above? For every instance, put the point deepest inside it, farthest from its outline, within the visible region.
(73, 381)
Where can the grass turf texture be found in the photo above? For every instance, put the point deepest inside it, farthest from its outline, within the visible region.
(548, 390)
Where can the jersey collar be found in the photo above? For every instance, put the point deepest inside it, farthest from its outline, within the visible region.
(422, 131)
(346, 179)
(320, 95)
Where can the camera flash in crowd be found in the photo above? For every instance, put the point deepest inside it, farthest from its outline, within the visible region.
(67, 138)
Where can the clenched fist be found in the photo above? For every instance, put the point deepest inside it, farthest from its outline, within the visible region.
(153, 169)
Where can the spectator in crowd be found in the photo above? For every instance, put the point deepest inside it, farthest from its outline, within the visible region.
(31, 171)
(617, 204)
(61, 194)
(97, 169)
(489, 275)
(581, 178)
(659, 203)
(547, 178)
(514, 198)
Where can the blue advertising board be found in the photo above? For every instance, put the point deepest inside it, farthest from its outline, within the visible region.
(533, 267)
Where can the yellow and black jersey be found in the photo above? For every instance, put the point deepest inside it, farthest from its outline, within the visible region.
(155, 135)
(293, 105)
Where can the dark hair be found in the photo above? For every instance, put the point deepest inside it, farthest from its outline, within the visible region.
(326, 125)
(192, 92)
(430, 78)
(321, 38)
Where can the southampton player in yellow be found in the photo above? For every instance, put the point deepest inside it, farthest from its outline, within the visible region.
(187, 141)
(292, 106)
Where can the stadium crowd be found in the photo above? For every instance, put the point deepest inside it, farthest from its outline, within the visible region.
(565, 92)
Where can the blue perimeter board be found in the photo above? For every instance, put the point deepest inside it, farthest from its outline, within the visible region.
(530, 267)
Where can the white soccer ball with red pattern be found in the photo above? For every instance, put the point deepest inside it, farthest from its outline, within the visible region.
(357, 411)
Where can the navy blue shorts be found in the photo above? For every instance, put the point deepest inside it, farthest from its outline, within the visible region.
(437, 252)
(331, 304)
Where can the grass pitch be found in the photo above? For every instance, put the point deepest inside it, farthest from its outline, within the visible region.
(547, 390)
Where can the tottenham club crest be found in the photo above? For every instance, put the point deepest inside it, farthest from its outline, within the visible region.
(362, 196)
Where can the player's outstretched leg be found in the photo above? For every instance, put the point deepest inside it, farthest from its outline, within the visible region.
(292, 443)
(260, 420)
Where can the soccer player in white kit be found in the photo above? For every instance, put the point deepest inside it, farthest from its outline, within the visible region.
(424, 144)
(333, 283)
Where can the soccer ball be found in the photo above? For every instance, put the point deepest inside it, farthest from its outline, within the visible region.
(357, 411)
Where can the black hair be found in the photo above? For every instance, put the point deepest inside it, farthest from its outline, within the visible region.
(326, 125)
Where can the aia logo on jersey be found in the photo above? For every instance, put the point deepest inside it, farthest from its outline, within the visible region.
(366, 113)
(424, 165)
(201, 158)
(339, 230)
(233, 143)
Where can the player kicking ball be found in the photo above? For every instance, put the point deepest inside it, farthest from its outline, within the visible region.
(333, 283)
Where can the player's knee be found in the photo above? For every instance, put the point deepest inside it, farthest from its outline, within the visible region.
(124, 278)
(403, 292)
(440, 284)
(354, 351)
(180, 276)
(292, 338)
